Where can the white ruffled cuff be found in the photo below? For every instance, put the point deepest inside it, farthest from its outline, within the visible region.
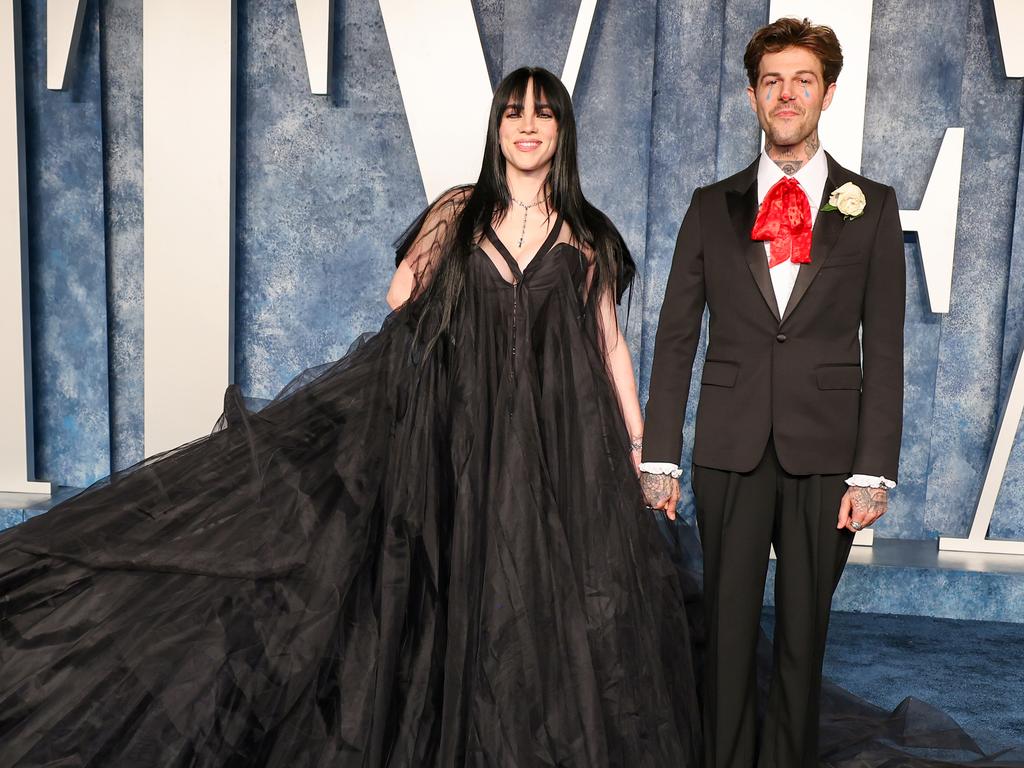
(870, 481)
(660, 468)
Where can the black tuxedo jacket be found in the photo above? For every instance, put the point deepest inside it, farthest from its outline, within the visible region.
(833, 402)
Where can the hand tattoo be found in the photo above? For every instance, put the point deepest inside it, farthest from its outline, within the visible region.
(657, 488)
(869, 503)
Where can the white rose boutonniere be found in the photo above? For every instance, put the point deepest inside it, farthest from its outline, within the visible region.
(848, 200)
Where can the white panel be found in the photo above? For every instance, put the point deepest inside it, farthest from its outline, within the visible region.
(16, 452)
(982, 545)
(315, 26)
(842, 125)
(63, 31)
(977, 540)
(188, 138)
(578, 44)
(436, 50)
(865, 538)
(935, 221)
(1010, 20)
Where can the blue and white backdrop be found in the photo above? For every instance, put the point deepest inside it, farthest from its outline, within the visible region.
(308, 191)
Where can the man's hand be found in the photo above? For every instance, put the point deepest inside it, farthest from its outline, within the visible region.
(862, 505)
(661, 492)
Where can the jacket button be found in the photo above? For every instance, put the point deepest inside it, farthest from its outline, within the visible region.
(781, 338)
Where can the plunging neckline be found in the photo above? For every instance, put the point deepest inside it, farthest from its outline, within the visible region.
(519, 271)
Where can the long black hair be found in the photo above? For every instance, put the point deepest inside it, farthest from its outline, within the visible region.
(472, 209)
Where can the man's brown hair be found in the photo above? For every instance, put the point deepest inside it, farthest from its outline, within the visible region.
(785, 32)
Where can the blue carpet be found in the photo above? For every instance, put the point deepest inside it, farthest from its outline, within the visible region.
(972, 670)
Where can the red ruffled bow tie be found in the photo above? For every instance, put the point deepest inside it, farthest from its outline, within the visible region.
(784, 219)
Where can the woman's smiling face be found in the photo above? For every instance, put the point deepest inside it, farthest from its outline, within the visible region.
(528, 133)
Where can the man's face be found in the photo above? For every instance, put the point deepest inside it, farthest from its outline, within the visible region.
(790, 95)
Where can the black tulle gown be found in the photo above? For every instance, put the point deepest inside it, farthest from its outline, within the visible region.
(412, 557)
(408, 558)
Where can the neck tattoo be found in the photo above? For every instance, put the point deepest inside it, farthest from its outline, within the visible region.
(526, 210)
(788, 158)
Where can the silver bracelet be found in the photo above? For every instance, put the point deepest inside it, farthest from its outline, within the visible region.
(636, 444)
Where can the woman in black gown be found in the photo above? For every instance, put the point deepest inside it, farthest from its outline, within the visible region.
(433, 552)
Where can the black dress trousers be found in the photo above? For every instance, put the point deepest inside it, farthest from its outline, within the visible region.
(740, 514)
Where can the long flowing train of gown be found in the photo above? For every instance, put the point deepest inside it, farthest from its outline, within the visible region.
(408, 558)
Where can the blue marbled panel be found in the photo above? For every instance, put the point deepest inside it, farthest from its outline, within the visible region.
(64, 161)
(739, 134)
(322, 192)
(1009, 522)
(912, 103)
(15, 508)
(968, 368)
(121, 56)
(683, 149)
(911, 591)
(326, 183)
(684, 137)
(537, 33)
(490, 21)
(613, 109)
(1013, 325)
(11, 517)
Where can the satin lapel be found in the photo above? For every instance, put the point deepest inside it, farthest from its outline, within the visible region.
(827, 227)
(742, 207)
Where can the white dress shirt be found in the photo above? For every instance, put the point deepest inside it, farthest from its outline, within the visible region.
(812, 177)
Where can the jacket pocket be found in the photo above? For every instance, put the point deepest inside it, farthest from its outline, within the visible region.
(839, 377)
(719, 373)
(844, 260)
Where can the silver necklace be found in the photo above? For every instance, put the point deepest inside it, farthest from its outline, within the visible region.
(526, 210)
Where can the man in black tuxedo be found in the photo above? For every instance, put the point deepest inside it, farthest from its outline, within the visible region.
(800, 415)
